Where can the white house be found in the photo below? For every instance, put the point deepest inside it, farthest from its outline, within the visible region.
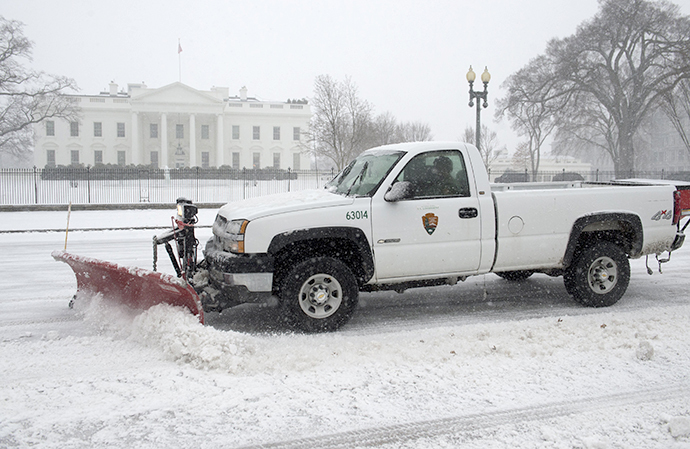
(177, 126)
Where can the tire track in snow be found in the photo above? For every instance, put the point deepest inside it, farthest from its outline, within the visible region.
(478, 421)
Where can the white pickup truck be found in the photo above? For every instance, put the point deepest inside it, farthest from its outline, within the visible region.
(423, 214)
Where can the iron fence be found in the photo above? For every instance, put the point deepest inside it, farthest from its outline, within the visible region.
(123, 185)
(591, 176)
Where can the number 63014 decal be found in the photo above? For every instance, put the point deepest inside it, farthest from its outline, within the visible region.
(357, 215)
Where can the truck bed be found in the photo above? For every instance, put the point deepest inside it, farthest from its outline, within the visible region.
(535, 220)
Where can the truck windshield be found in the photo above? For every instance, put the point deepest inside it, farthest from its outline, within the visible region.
(364, 175)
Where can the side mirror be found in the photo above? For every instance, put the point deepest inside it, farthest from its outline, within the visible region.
(402, 190)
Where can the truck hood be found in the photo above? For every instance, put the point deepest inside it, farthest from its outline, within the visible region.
(251, 209)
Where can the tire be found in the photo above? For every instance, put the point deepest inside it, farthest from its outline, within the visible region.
(599, 276)
(318, 295)
(515, 276)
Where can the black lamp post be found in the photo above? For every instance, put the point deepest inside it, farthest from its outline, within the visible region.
(486, 77)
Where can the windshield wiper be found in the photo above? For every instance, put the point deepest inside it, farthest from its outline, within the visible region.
(358, 177)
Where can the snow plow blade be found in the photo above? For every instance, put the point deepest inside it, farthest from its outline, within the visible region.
(134, 287)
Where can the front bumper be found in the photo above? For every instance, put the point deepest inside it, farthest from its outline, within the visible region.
(241, 277)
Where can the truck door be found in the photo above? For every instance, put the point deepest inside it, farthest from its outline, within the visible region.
(436, 228)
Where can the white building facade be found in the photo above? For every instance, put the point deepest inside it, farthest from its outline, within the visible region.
(177, 126)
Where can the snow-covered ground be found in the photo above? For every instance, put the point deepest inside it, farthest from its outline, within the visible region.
(483, 364)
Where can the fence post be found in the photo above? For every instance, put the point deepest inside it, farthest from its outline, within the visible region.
(289, 177)
(197, 184)
(35, 187)
(88, 184)
(597, 178)
(662, 173)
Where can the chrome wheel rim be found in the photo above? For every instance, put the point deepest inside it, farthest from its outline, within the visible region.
(320, 296)
(603, 275)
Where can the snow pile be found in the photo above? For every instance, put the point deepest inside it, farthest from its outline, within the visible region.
(679, 426)
(180, 336)
(173, 331)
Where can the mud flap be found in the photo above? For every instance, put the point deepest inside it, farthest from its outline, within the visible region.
(135, 287)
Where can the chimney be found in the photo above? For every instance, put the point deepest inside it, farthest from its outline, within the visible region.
(113, 89)
(243, 93)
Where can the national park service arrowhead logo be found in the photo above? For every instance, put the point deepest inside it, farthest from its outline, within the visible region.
(430, 221)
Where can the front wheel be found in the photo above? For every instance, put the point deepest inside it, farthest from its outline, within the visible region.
(599, 276)
(319, 295)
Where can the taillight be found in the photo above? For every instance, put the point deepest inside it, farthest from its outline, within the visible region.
(681, 205)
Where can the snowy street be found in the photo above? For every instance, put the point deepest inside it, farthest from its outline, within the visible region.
(483, 364)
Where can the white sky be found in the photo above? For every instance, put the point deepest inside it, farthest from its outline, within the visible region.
(408, 57)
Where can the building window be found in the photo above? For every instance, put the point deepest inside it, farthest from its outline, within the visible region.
(97, 157)
(74, 157)
(74, 129)
(50, 158)
(120, 129)
(236, 160)
(276, 133)
(97, 129)
(205, 159)
(204, 131)
(296, 133)
(154, 159)
(296, 161)
(153, 131)
(256, 160)
(256, 132)
(121, 158)
(276, 160)
(179, 131)
(235, 132)
(50, 128)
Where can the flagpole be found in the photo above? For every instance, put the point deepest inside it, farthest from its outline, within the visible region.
(179, 60)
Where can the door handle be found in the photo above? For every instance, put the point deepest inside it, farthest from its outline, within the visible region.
(468, 212)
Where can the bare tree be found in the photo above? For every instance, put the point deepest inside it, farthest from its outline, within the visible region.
(620, 64)
(676, 105)
(413, 132)
(489, 145)
(384, 129)
(531, 105)
(341, 120)
(26, 96)
(522, 156)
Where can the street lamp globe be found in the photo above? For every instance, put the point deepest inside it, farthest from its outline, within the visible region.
(486, 76)
(471, 76)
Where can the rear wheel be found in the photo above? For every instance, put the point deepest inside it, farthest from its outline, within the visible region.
(599, 276)
(319, 295)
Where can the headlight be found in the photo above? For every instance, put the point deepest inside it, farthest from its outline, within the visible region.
(236, 226)
(230, 233)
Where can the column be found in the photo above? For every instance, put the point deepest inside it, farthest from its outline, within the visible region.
(164, 141)
(192, 140)
(136, 156)
(219, 141)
